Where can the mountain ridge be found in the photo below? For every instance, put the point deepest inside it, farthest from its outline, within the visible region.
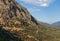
(57, 24)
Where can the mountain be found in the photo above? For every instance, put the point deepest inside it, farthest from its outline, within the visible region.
(57, 24)
(13, 13)
(16, 19)
(49, 25)
(16, 24)
(45, 24)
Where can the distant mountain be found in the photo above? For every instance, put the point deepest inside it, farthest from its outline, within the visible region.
(45, 24)
(57, 24)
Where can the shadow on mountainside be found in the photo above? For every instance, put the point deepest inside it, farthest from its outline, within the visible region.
(7, 36)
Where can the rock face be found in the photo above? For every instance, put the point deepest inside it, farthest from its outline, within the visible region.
(15, 19)
(13, 13)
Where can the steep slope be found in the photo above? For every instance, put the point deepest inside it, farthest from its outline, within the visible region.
(13, 13)
(17, 20)
(18, 25)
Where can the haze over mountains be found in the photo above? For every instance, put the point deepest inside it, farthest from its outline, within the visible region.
(53, 25)
(16, 24)
(57, 24)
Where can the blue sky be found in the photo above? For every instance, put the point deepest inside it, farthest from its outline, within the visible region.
(47, 11)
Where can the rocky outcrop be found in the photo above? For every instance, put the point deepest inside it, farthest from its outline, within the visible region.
(17, 20)
(13, 13)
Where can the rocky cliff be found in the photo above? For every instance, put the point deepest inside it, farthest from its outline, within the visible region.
(13, 13)
(15, 19)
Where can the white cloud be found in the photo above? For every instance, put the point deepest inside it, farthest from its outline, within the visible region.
(43, 3)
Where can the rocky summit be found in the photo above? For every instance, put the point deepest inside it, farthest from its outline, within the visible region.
(16, 24)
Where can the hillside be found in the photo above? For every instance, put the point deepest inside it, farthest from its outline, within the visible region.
(57, 24)
(16, 24)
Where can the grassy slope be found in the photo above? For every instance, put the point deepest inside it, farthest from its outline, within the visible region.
(41, 34)
(52, 34)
